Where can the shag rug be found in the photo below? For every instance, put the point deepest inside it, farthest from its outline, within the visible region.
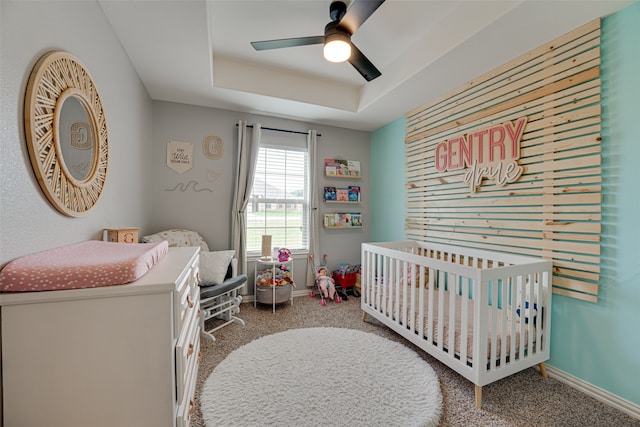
(322, 376)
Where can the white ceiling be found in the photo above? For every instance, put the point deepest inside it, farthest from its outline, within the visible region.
(198, 51)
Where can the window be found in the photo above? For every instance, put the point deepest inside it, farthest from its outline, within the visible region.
(280, 198)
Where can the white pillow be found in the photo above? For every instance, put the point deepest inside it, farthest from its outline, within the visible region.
(214, 266)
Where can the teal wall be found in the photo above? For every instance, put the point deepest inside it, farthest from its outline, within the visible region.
(597, 343)
(600, 343)
(387, 183)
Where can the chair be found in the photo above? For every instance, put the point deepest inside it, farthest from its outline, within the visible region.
(219, 280)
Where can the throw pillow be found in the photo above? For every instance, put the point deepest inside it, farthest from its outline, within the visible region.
(213, 266)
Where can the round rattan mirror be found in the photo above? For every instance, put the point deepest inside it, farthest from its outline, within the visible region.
(66, 133)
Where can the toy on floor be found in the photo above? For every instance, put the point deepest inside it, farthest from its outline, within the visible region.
(345, 279)
(324, 285)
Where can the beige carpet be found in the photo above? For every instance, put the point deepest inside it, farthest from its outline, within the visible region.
(524, 399)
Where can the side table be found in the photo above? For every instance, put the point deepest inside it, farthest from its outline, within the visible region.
(278, 289)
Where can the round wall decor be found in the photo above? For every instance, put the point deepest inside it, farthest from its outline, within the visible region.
(66, 132)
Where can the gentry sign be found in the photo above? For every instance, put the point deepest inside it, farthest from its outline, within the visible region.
(490, 153)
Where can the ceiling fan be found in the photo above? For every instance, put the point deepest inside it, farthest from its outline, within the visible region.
(337, 36)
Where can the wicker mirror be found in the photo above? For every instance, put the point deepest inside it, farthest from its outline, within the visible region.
(66, 133)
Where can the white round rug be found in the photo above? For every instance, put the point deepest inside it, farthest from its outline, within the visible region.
(322, 377)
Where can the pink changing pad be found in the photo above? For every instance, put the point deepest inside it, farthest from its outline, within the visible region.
(89, 264)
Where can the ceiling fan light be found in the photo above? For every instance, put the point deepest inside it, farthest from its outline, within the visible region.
(337, 48)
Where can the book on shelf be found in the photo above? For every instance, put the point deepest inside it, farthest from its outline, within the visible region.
(342, 195)
(353, 166)
(356, 219)
(335, 167)
(354, 193)
(343, 220)
(330, 167)
(329, 220)
(330, 194)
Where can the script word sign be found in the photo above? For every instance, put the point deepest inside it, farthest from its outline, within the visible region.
(489, 153)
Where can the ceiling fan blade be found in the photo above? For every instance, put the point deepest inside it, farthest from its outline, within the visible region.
(363, 65)
(359, 12)
(281, 43)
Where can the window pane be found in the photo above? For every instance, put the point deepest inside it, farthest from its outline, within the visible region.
(279, 200)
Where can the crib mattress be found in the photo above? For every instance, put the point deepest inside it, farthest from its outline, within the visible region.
(87, 264)
(511, 335)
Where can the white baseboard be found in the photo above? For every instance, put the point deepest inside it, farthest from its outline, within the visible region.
(597, 393)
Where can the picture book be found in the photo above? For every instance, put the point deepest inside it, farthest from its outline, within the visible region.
(342, 168)
(344, 220)
(354, 193)
(330, 167)
(354, 167)
(330, 220)
(342, 195)
(329, 194)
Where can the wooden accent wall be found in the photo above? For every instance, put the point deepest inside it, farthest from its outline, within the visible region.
(553, 210)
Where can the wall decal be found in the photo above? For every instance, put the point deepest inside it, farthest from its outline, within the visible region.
(179, 156)
(191, 185)
(212, 147)
(212, 176)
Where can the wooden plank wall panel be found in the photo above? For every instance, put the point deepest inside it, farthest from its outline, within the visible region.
(553, 210)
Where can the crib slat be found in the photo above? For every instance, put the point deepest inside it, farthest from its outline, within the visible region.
(502, 313)
(494, 326)
(421, 301)
(464, 320)
(451, 340)
(432, 285)
(440, 310)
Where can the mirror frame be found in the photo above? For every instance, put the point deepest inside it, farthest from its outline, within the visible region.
(57, 76)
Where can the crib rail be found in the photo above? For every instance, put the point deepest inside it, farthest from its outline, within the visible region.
(484, 314)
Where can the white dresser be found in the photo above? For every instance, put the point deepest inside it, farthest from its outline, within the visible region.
(123, 355)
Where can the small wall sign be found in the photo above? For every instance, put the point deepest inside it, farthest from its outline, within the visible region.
(212, 147)
(179, 156)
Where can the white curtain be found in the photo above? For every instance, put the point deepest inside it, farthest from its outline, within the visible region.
(314, 215)
(246, 165)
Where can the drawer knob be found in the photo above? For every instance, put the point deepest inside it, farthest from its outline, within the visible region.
(191, 350)
(189, 302)
(192, 407)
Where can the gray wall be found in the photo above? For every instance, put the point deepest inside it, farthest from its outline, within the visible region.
(209, 212)
(28, 223)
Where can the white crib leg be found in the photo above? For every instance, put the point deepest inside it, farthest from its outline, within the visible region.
(479, 396)
(543, 369)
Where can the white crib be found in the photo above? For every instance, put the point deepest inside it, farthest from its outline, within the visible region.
(455, 303)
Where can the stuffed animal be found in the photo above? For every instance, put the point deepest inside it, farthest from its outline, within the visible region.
(286, 278)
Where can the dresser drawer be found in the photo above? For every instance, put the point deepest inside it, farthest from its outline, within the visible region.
(187, 353)
(188, 293)
(188, 406)
(187, 379)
